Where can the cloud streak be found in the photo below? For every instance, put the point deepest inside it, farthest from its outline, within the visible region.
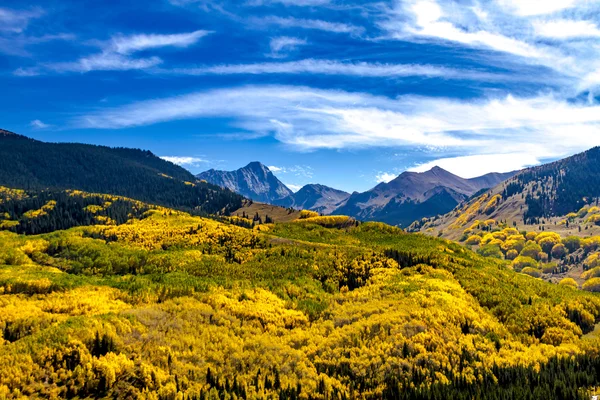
(312, 24)
(332, 67)
(118, 54)
(282, 45)
(131, 44)
(184, 160)
(307, 119)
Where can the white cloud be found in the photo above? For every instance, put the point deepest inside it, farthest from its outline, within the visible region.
(519, 30)
(330, 67)
(37, 124)
(183, 161)
(292, 187)
(118, 54)
(291, 22)
(385, 177)
(300, 3)
(105, 62)
(303, 118)
(281, 45)
(477, 165)
(134, 43)
(566, 29)
(430, 21)
(17, 20)
(536, 7)
(273, 168)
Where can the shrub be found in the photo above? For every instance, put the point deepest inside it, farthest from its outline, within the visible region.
(572, 243)
(512, 254)
(592, 273)
(570, 282)
(523, 262)
(531, 250)
(473, 240)
(593, 285)
(490, 250)
(534, 272)
(559, 251)
(308, 214)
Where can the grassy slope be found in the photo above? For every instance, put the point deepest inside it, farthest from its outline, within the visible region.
(278, 214)
(151, 305)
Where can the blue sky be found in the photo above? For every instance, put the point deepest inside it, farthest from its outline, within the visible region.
(343, 93)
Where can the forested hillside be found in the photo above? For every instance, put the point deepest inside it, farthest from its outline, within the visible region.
(559, 196)
(169, 305)
(138, 174)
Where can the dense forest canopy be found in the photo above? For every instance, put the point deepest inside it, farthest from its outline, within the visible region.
(169, 305)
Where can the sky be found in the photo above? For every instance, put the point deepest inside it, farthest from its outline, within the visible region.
(343, 93)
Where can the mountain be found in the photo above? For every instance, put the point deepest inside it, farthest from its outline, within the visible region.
(30, 164)
(558, 196)
(315, 197)
(413, 195)
(254, 181)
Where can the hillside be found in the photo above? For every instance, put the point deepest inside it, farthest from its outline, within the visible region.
(412, 196)
(544, 220)
(558, 196)
(254, 181)
(170, 305)
(30, 164)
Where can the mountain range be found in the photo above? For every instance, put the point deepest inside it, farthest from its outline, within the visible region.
(413, 195)
(558, 196)
(409, 197)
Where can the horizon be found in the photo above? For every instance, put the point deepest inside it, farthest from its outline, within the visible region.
(348, 94)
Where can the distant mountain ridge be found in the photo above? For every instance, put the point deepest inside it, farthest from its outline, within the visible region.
(254, 181)
(409, 197)
(31, 164)
(541, 195)
(315, 197)
(415, 195)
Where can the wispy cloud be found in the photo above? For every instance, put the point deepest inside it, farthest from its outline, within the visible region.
(332, 67)
(566, 29)
(17, 20)
(105, 62)
(282, 45)
(300, 3)
(37, 124)
(184, 161)
(292, 22)
(300, 171)
(308, 119)
(117, 54)
(519, 29)
(533, 7)
(131, 44)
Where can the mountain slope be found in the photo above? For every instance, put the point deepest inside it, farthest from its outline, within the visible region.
(315, 197)
(179, 306)
(30, 164)
(254, 181)
(545, 195)
(412, 196)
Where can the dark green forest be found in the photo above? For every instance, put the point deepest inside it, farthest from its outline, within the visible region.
(30, 164)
